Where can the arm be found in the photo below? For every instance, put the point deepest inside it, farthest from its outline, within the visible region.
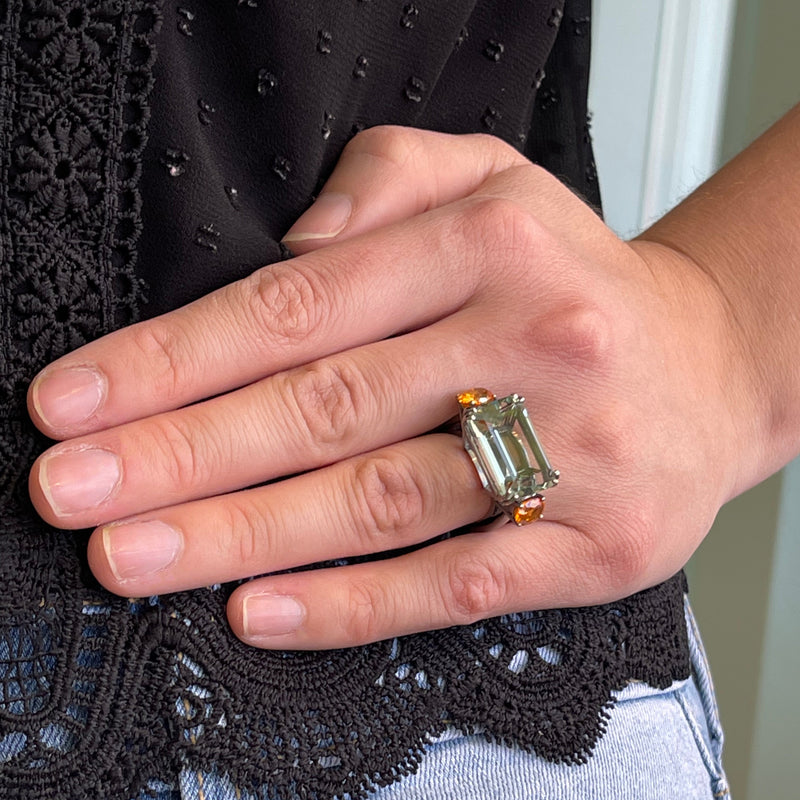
(742, 229)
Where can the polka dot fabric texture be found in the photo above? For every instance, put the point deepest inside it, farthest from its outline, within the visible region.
(253, 104)
(153, 151)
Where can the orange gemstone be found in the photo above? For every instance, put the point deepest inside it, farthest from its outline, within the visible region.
(529, 510)
(475, 397)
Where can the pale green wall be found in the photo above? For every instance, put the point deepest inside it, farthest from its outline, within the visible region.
(735, 597)
(776, 737)
(729, 579)
(765, 69)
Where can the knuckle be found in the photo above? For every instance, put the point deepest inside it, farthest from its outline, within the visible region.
(493, 144)
(473, 589)
(542, 176)
(167, 361)
(364, 614)
(392, 144)
(626, 552)
(285, 303)
(326, 397)
(502, 230)
(249, 546)
(247, 534)
(579, 336)
(587, 336)
(388, 500)
(612, 437)
(178, 454)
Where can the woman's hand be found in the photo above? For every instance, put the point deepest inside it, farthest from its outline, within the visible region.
(430, 264)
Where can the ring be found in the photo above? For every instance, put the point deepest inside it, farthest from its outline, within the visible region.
(503, 446)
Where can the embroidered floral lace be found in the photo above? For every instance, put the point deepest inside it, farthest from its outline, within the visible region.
(99, 694)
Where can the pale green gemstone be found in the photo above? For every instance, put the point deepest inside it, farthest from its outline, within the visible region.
(505, 450)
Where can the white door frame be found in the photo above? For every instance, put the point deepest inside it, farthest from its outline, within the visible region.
(689, 89)
(659, 79)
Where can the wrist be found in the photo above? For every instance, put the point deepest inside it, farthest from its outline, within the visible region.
(712, 360)
(740, 231)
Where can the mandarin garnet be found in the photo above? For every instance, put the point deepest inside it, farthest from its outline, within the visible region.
(529, 510)
(475, 397)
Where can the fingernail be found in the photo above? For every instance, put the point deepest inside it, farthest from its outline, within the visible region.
(138, 549)
(271, 615)
(79, 480)
(66, 397)
(324, 220)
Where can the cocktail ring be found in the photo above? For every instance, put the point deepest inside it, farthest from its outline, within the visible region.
(503, 445)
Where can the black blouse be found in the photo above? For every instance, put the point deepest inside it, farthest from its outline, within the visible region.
(154, 151)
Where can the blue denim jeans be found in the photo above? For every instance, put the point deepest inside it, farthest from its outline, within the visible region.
(664, 744)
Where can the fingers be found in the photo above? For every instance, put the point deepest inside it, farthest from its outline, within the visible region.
(388, 173)
(455, 582)
(281, 316)
(298, 420)
(292, 312)
(332, 362)
(386, 500)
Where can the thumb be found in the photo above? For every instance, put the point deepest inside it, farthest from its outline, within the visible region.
(390, 173)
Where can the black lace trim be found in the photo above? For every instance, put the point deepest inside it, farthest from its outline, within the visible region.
(75, 81)
(98, 695)
(75, 78)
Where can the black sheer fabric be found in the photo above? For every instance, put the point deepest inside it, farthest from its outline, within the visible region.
(252, 106)
(153, 151)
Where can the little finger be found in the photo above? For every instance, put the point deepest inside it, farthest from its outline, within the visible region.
(455, 582)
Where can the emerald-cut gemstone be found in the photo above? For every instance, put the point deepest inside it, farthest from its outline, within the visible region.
(500, 439)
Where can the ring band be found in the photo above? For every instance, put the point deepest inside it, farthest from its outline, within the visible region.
(507, 454)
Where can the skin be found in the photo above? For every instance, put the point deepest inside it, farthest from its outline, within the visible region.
(660, 374)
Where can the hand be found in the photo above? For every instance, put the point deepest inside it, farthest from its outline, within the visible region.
(434, 263)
